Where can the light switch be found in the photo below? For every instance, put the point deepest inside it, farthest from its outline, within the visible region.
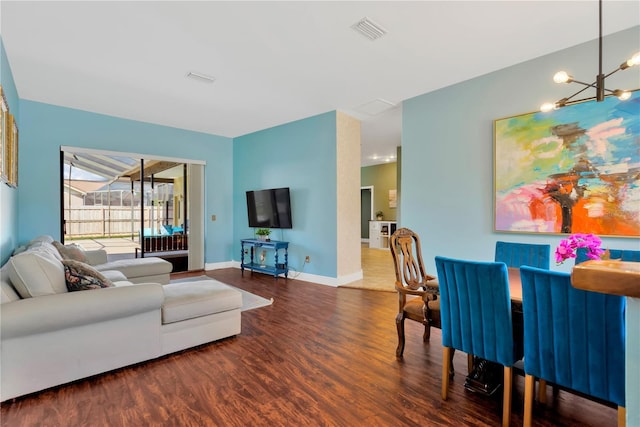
(213, 217)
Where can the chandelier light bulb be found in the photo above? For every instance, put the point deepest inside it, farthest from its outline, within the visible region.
(634, 60)
(547, 106)
(562, 77)
(622, 95)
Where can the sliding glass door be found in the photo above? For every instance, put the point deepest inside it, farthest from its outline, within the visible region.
(134, 205)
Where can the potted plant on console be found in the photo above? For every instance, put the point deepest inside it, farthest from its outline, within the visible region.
(379, 215)
(263, 234)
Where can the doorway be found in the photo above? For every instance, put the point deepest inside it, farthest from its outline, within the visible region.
(132, 206)
(366, 212)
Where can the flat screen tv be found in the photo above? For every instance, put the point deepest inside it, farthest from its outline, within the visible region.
(269, 208)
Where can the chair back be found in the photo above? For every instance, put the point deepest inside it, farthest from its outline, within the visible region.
(573, 338)
(621, 254)
(517, 254)
(407, 259)
(475, 308)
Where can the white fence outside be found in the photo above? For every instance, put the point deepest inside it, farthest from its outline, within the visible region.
(110, 221)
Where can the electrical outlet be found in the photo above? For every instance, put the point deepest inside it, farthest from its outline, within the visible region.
(213, 217)
(307, 259)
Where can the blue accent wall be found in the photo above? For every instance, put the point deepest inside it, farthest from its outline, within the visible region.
(302, 156)
(8, 195)
(45, 128)
(447, 147)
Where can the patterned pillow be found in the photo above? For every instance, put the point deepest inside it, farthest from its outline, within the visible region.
(81, 277)
(74, 252)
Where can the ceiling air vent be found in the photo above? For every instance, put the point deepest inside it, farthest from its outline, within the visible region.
(200, 77)
(369, 29)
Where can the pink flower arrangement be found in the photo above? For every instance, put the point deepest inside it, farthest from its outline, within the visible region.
(567, 247)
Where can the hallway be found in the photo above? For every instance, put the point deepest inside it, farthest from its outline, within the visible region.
(377, 270)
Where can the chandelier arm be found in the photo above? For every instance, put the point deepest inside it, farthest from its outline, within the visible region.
(613, 72)
(578, 92)
(577, 101)
(585, 84)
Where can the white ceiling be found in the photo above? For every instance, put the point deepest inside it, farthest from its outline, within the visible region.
(276, 62)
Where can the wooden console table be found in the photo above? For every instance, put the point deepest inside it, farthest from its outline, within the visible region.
(263, 265)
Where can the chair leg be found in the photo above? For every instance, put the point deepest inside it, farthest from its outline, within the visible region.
(427, 325)
(529, 386)
(542, 391)
(427, 331)
(446, 366)
(400, 328)
(506, 396)
(452, 372)
(622, 416)
(469, 363)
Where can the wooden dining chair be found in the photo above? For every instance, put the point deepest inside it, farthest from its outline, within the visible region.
(475, 307)
(572, 338)
(517, 254)
(417, 290)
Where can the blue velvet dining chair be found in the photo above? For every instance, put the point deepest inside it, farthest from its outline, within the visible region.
(572, 338)
(517, 254)
(475, 315)
(621, 254)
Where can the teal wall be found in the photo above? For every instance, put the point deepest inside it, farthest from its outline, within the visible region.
(302, 156)
(44, 128)
(447, 147)
(447, 161)
(8, 196)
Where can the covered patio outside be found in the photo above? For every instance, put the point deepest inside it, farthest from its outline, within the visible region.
(116, 247)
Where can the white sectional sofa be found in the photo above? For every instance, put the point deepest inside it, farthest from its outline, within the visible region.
(50, 336)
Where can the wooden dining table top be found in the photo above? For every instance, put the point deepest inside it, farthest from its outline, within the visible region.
(515, 285)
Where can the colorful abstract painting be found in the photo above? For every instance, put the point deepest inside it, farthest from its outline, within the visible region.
(572, 170)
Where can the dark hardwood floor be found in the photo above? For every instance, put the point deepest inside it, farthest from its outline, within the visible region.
(319, 356)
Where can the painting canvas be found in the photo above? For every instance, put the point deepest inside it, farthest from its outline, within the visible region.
(571, 170)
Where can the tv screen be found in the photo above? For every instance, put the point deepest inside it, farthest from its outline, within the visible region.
(269, 208)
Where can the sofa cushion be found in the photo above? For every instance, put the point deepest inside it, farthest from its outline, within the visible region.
(73, 251)
(114, 275)
(35, 273)
(45, 238)
(7, 291)
(33, 243)
(81, 277)
(188, 300)
(138, 267)
(40, 246)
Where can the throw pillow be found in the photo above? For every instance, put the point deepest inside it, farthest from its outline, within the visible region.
(81, 277)
(73, 251)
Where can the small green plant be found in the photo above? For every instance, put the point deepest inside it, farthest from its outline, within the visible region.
(379, 214)
(263, 232)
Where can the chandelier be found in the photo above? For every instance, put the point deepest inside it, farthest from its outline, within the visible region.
(598, 85)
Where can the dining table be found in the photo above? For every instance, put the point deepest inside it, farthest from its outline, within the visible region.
(515, 287)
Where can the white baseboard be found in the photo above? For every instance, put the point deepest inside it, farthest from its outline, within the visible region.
(305, 277)
(219, 265)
